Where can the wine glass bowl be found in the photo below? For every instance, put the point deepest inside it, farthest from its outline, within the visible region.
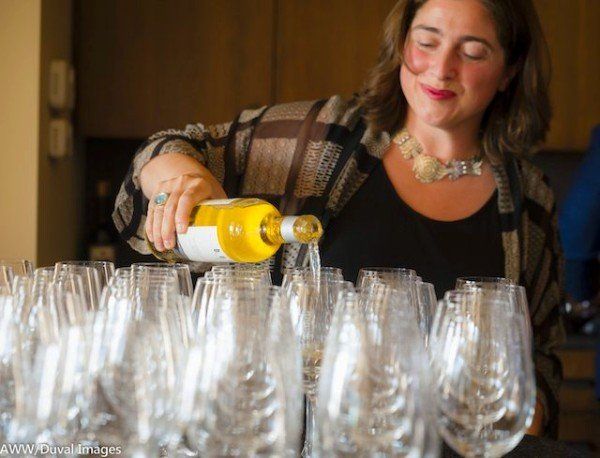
(482, 366)
(374, 389)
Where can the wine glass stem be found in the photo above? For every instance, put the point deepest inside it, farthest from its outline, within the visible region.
(307, 452)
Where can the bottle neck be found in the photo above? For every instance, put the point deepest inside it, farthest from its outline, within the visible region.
(270, 230)
(277, 230)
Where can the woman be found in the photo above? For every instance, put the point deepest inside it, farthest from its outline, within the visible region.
(422, 170)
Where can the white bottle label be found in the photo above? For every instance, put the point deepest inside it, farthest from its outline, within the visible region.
(201, 244)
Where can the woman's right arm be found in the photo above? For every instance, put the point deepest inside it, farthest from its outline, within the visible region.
(187, 182)
(188, 164)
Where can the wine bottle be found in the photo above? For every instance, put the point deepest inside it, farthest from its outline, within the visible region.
(102, 246)
(238, 230)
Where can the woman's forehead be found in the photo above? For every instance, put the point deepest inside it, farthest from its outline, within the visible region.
(456, 18)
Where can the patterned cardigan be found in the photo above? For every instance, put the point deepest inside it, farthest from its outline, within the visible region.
(311, 157)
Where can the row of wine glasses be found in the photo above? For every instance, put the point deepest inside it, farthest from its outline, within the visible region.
(373, 397)
(481, 359)
(141, 358)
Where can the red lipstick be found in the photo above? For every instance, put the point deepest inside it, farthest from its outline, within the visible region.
(437, 94)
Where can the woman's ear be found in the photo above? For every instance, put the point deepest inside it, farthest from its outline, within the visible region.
(507, 78)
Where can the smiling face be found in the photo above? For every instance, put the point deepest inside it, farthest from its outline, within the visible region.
(454, 64)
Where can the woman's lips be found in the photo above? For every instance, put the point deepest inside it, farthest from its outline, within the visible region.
(437, 94)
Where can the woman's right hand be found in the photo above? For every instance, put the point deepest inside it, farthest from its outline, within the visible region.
(185, 191)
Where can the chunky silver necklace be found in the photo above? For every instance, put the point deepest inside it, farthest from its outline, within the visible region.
(427, 168)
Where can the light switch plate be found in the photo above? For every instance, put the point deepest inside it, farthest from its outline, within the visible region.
(61, 96)
(60, 138)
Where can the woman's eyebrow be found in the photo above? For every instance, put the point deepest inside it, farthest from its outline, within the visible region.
(427, 28)
(463, 39)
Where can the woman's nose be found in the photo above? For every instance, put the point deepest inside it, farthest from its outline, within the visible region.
(444, 65)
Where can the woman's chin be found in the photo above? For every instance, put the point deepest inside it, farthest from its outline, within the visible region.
(435, 116)
(439, 122)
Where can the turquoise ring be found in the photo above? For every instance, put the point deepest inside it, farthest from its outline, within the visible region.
(161, 199)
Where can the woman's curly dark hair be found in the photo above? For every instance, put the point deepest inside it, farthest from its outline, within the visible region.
(517, 119)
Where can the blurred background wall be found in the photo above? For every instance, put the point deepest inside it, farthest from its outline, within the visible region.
(60, 200)
(39, 198)
(20, 42)
(148, 65)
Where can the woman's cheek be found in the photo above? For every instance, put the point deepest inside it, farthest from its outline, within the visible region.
(483, 81)
(415, 59)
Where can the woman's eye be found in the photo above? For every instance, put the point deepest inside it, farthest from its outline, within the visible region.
(425, 44)
(474, 52)
(473, 56)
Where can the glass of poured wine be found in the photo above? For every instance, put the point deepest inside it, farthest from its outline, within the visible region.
(311, 306)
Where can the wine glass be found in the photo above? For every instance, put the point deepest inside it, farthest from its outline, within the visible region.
(31, 423)
(240, 406)
(478, 282)
(517, 295)
(106, 269)
(117, 309)
(21, 292)
(155, 289)
(374, 390)
(259, 272)
(207, 289)
(426, 300)
(47, 305)
(482, 365)
(11, 269)
(396, 314)
(21, 267)
(311, 306)
(90, 277)
(70, 299)
(140, 378)
(182, 270)
(383, 275)
(6, 276)
(286, 347)
(48, 397)
(305, 273)
(11, 361)
(421, 294)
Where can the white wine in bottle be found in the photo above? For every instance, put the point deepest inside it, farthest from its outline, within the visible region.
(238, 230)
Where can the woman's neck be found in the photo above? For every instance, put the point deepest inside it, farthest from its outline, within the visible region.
(460, 142)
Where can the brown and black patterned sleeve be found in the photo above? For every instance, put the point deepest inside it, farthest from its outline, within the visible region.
(254, 155)
(206, 144)
(543, 264)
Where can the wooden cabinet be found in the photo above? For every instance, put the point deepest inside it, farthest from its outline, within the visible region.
(573, 36)
(148, 65)
(326, 48)
(579, 407)
(144, 66)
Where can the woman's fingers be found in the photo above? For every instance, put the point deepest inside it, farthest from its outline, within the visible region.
(168, 220)
(157, 220)
(163, 221)
(188, 200)
(157, 227)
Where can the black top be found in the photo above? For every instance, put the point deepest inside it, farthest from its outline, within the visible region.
(378, 229)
